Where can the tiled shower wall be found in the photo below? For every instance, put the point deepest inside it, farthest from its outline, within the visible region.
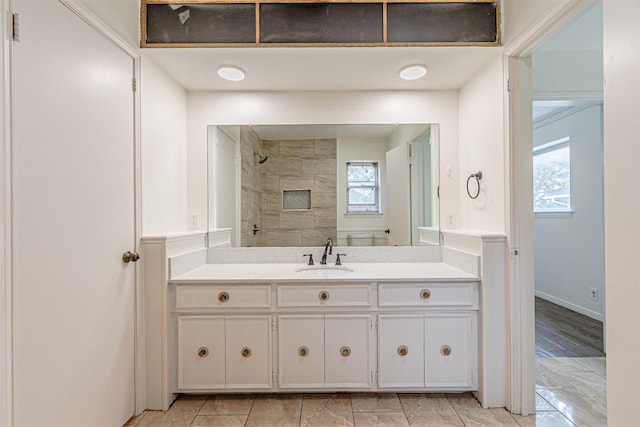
(299, 165)
(252, 185)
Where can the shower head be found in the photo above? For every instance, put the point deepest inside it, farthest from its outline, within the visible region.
(261, 159)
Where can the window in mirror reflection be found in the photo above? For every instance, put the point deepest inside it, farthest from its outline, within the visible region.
(363, 187)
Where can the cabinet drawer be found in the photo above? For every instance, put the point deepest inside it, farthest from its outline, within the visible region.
(219, 296)
(463, 295)
(324, 296)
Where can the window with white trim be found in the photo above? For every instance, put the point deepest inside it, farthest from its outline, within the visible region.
(363, 187)
(552, 177)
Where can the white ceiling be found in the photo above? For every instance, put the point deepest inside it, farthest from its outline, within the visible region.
(277, 69)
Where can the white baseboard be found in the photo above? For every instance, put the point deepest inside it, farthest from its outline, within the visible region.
(571, 306)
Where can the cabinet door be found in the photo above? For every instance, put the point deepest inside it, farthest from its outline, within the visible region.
(346, 350)
(201, 353)
(449, 350)
(301, 351)
(248, 351)
(400, 350)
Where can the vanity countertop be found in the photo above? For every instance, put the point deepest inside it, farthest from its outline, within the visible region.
(402, 271)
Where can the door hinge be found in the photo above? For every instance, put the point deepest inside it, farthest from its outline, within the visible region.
(509, 88)
(134, 84)
(515, 252)
(15, 24)
(274, 325)
(274, 377)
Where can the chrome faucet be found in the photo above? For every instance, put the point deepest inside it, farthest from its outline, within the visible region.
(327, 247)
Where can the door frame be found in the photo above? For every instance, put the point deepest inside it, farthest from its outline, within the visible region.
(6, 208)
(519, 163)
(6, 296)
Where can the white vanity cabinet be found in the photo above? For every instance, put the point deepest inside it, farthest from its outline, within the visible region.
(324, 351)
(427, 336)
(232, 352)
(224, 336)
(321, 335)
(217, 352)
(435, 350)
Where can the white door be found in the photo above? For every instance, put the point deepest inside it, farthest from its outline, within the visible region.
(226, 193)
(301, 351)
(346, 349)
(201, 352)
(448, 350)
(398, 211)
(73, 189)
(248, 351)
(400, 350)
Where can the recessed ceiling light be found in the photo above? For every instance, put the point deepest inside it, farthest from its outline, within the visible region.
(413, 72)
(231, 73)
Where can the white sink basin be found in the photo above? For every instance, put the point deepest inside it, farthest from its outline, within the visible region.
(324, 271)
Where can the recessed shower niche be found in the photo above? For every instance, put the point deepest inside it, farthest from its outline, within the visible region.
(296, 200)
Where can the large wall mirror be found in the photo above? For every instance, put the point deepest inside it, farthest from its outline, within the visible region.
(296, 185)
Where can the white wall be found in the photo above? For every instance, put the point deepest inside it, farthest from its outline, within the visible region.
(567, 74)
(206, 108)
(164, 154)
(482, 148)
(349, 149)
(622, 208)
(569, 250)
(568, 65)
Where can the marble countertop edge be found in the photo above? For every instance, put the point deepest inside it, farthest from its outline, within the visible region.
(362, 272)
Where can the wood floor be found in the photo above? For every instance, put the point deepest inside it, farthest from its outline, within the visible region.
(561, 332)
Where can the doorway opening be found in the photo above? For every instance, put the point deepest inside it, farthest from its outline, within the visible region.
(568, 223)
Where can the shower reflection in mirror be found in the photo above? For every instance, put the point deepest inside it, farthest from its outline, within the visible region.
(371, 184)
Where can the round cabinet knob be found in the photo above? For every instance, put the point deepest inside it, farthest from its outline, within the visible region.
(323, 295)
(425, 294)
(445, 350)
(203, 352)
(303, 351)
(345, 351)
(223, 297)
(403, 350)
(246, 352)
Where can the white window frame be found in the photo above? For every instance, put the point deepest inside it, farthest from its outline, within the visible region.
(547, 148)
(375, 186)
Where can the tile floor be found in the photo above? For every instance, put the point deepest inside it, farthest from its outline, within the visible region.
(570, 392)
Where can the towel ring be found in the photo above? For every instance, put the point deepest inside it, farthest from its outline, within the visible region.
(478, 177)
